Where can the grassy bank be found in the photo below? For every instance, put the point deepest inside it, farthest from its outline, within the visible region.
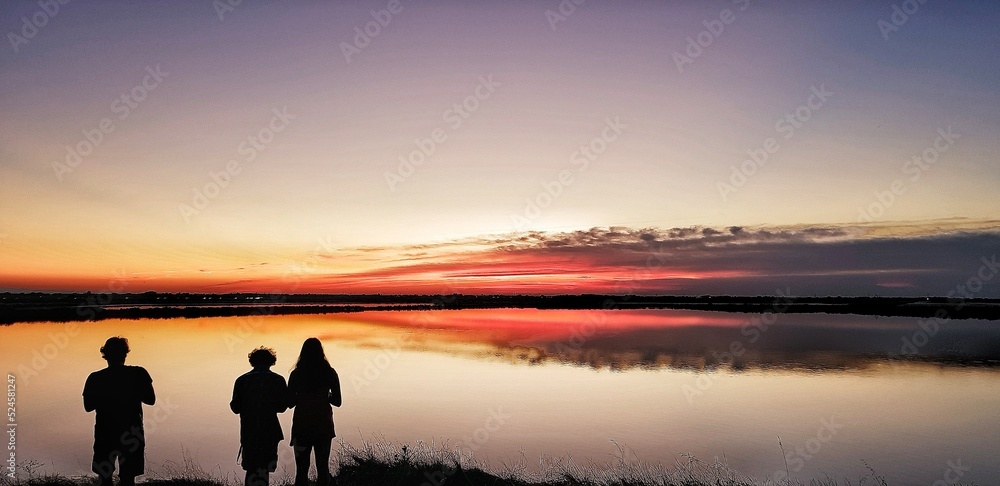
(381, 463)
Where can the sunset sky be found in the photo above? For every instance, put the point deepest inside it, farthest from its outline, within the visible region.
(735, 147)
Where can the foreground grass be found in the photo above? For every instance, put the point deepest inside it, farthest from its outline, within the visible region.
(383, 463)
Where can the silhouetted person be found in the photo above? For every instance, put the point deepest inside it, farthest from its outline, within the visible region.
(258, 397)
(313, 386)
(117, 393)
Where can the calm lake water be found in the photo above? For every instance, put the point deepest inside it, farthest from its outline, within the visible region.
(508, 384)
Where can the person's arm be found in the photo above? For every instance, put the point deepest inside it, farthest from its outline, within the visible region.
(148, 396)
(335, 397)
(235, 404)
(293, 383)
(89, 400)
(281, 402)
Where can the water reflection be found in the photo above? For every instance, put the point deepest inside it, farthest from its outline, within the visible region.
(692, 339)
(571, 381)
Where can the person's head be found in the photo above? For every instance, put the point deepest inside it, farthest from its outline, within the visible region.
(312, 355)
(262, 357)
(115, 349)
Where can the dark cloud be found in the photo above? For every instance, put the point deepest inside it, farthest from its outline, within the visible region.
(695, 260)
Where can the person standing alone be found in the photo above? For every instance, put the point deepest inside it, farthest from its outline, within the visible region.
(117, 394)
(313, 387)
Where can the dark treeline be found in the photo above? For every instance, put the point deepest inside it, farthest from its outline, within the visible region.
(40, 306)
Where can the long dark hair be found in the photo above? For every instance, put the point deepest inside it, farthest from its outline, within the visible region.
(312, 360)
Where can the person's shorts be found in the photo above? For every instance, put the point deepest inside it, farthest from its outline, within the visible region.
(128, 448)
(260, 456)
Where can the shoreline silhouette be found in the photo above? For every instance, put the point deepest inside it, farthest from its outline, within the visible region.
(381, 462)
(64, 307)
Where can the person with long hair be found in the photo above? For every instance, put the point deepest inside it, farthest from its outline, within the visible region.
(313, 387)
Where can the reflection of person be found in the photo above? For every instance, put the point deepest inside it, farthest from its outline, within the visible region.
(313, 386)
(259, 395)
(117, 394)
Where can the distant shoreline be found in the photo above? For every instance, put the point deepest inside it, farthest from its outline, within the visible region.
(65, 307)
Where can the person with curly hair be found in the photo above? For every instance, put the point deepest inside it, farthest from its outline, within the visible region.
(259, 395)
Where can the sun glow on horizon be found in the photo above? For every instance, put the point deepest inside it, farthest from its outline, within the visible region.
(253, 154)
(614, 260)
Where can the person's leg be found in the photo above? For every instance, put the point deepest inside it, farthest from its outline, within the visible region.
(131, 463)
(323, 463)
(257, 477)
(253, 477)
(301, 464)
(254, 462)
(105, 478)
(103, 462)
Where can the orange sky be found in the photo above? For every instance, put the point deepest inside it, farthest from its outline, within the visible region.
(473, 144)
(903, 259)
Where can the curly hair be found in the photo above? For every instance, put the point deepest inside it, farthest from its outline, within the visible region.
(262, 356)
